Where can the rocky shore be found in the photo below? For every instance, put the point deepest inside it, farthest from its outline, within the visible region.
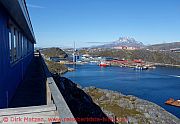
(134, 109)
(166, 65)
(94, 102)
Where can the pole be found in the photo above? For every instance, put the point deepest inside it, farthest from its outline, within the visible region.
(74, 59)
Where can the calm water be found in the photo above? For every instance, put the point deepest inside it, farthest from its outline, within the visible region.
(155, 85)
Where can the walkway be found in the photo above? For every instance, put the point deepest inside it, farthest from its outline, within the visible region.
(38, 96)
(32, 90)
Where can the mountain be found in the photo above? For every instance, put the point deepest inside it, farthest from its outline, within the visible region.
(123, 41)
(164, 46)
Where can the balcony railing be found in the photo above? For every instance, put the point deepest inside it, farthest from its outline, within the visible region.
(56, 108)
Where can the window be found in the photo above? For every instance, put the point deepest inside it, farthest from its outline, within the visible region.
(12, 44)
(27, 46)
(19, 45)
(22, 46)
(11, 60)
(15, 45)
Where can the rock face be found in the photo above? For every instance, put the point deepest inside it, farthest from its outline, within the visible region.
(91, 102)
(135, 110)
(80, 104)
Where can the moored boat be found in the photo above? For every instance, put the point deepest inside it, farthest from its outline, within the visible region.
(103, 64)
(140, 68)
(173, 102)
(169, 101)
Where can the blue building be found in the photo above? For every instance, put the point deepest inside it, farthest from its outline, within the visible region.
(16, 46)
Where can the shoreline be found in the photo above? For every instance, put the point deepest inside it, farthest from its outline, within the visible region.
(113, 104)
(133, 96)
(166, 65)
(137, 108)
(150, 65)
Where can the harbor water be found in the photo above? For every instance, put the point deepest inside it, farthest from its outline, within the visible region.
(155, 85)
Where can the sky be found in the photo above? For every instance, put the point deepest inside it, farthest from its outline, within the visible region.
(60, 23)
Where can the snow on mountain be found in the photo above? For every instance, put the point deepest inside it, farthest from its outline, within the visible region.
(123, 41)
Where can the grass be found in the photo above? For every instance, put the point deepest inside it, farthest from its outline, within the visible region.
(112, 106)
(55, 67)
(119, 111)
(95, 94)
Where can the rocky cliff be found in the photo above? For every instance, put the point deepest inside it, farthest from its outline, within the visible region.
(92, 102)
(134, 109)
(80, 103)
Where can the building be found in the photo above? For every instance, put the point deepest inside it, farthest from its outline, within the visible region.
(27, 88)
(175, 50)
(108, 58)
(55, 59)
(126, 48)
(16, 46)
(75, 58)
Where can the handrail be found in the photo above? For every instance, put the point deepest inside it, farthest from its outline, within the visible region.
(57, 98)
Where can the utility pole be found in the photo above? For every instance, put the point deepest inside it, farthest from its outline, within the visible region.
(74, 59)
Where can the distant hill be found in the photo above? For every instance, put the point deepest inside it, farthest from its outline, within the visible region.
(150, 56)
(122, 41)
(164, 46)
(54, 52)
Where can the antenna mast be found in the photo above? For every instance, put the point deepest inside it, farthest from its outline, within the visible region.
(74, 54)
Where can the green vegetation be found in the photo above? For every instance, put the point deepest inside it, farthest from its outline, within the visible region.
(83, 51)
(111, 105)
(95, 94)
(54, 52)
(150, 56)
(119, 111)
(164, 46)
(55, 67)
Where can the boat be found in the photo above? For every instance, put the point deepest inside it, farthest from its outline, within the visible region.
(144, 68)
(140, 68)
(103, 64)
(173, 102)
(169, 101)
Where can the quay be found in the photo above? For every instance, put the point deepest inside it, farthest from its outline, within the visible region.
(141, 65)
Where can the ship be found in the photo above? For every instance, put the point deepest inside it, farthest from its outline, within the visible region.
(173, 102)
(104, 64)
(140, 68)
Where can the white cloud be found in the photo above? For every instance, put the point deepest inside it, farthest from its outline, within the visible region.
(35, 6)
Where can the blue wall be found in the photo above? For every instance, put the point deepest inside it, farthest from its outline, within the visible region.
(10, 74)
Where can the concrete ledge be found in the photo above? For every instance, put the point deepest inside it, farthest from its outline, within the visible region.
(27, 110)
(58, 99)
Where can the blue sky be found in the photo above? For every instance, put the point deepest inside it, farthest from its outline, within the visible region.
(61, 22)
